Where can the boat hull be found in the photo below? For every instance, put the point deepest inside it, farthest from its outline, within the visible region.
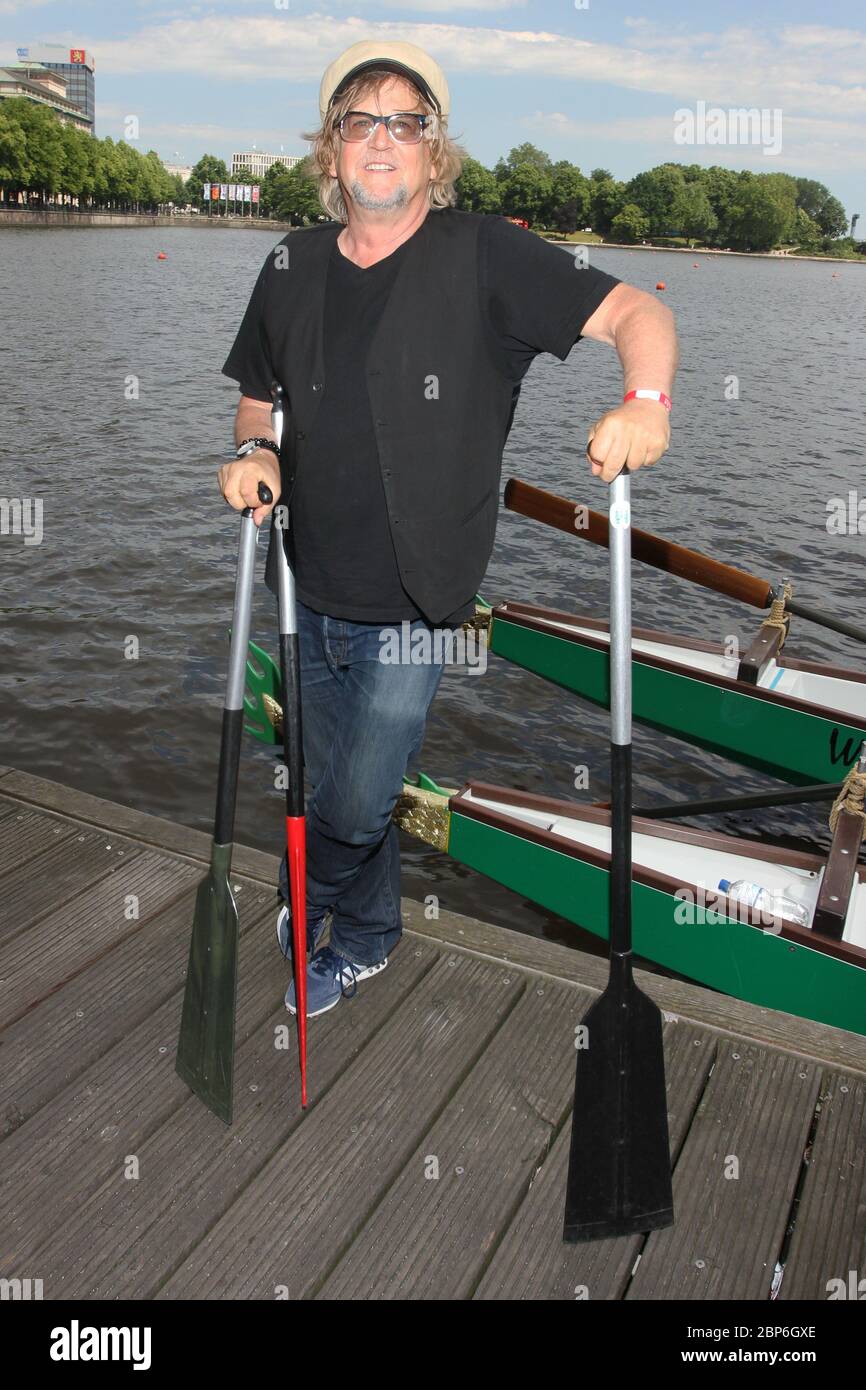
(790, 739)
(776, 971)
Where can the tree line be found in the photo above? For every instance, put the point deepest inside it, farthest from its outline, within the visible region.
(672, 203)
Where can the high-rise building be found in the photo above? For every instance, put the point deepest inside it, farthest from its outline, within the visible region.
(41, 85)
(75, 65)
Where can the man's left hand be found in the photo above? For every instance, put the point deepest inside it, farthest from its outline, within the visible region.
(636, 433)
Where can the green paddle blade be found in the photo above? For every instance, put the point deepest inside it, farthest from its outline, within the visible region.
(205, 1052)
(263, 696)
(423, 783)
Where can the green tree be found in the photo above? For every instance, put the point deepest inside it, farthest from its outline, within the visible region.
(526, 192)
(817, 201)
(569, 198)
(606, 198)
(272, 188)
(720, 186)
(208, 169)
(806, 233)
(763, 214)
(295, 198)
(655, 193)
(477, 188)
(16, 167)
(520, 156)
(630, 224)
(691, 212)
(44, 143)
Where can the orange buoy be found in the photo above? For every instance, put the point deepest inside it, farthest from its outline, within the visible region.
(161, 256)
(661, 285)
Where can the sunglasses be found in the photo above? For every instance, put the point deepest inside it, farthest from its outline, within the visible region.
(406, 127)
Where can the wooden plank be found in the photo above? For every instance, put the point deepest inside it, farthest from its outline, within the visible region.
(532, 1262)
(350, 1148)
(690, 1002)
(839, 1049)
(129, 1235)
(37, 962)
(756, 1111)
(57, 1040)
(45, 888)
(431, 1235)
(24, 835)
(153, 831)
(829, 1239)
(89, 1128)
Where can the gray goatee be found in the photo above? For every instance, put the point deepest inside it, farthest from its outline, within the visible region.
(373, 202)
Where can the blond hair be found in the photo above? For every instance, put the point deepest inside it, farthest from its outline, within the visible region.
(445, 154)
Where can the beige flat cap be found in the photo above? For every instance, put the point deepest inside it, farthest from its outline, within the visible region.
(404, 59)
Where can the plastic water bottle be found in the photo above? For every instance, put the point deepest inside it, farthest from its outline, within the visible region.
(774, 905)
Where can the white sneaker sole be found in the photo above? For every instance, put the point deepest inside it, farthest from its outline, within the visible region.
(364, 974)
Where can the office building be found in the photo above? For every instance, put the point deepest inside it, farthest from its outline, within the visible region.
(259, 163)
(75, 65)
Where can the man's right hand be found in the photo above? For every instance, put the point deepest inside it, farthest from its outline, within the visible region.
(239, 482)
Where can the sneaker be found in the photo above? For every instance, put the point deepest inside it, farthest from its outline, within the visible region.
(329, 977)
(284, 931)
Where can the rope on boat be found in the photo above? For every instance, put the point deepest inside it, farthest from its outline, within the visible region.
(274, 711)
(424, 814)
(851, 798)
(777, 616)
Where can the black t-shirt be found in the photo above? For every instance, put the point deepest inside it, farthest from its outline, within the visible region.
(534, 299)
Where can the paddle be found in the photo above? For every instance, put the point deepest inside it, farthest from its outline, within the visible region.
(674, 559)
(205, 1050)
(619, 1172)
(296, 833)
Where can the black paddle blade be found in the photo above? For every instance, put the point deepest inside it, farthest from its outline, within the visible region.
(619, 1169)
(205, 1050)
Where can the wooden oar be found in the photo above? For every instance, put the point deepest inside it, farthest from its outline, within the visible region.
(579, 520)
(619, 1171)
(205, 1049)
(296, 825)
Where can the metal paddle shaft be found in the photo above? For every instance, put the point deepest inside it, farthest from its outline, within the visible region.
(296, 834)
(619, 1173)
(205, 1052)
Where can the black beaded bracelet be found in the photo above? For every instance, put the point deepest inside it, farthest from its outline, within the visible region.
(260, 443)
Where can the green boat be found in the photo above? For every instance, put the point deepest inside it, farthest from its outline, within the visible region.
(557, 854)
(799, 720)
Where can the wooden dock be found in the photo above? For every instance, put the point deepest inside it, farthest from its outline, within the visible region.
(430, 1163)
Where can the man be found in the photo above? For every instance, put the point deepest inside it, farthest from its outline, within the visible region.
(400, 333)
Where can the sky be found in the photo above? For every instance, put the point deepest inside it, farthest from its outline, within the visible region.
(597, 82)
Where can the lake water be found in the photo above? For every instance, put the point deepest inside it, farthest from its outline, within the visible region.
(138, 543)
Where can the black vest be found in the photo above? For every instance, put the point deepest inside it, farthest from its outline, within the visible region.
(441, 402)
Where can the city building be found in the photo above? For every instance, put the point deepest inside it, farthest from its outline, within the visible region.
(183, 170)
(259, 163)
(45, 86)
(76, 65)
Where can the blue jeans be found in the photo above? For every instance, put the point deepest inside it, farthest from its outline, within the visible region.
(362, 721)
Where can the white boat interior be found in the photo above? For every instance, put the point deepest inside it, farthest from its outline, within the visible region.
(833, 693)
(696, 866)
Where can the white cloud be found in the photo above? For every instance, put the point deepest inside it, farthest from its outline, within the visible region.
(813, 70)
(17, 6)
(807, 142)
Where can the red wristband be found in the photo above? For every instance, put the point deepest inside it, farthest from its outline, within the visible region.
(648, 396)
